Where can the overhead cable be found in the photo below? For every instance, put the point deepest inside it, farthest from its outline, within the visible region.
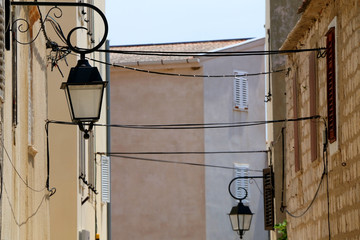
(193, 125)
(180, 74)
(184, 75)
(180, 153)
(208, 54)
(17, 172)
(18, 223)
(174, 162)
(323, 175)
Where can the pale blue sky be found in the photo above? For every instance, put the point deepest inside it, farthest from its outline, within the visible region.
(162, 21)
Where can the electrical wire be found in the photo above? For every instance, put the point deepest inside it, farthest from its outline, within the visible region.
(324, 173)
(311, 203)
(207, 54)
(172, 153)
(192, 125)
(17, 172)
(175, 162)
(53, 189)
(251, 181)
(18, 223)
(184, 75)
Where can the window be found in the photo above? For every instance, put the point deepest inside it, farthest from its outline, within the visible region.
(2, 72)
(105, 179)
(296, 123)
(242, 170)
(313, 106)
(87, 17)
(91, 159)
(87, 159)
(268, 198)
(82, 156)
(331, 84)
(241, 93)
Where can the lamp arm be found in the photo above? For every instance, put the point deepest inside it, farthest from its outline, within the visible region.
(65, 4)
(246, 193)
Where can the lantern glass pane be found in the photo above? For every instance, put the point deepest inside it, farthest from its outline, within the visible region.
(85, 101)
(240, 221)
(246, 221)
(234, 222)
(68, 102)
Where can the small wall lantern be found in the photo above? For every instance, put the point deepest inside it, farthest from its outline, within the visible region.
(240, 218)
(240, 215)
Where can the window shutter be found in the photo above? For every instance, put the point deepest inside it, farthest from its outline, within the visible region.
(2, 63)
(105, 179)
(297, 156)
(331, 81)
(268, 198)
(82, 154)
(313, 106)
(242, 171)
(241, 93)
(91, 159)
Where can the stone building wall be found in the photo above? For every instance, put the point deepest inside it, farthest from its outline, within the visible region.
(343, 160)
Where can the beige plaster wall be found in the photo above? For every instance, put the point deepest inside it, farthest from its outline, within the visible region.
(68, 215)
(25, 204)
(152, 200)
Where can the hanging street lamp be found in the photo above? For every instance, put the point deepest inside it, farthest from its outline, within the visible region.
(240, 215)
(84, 92)
(240, 218)
(84, 88)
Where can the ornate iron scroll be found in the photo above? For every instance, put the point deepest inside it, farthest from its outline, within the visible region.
(55, 5)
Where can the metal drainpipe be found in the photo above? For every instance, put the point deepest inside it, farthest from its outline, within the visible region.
(108, 136)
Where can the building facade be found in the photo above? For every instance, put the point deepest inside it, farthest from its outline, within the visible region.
(76, 167)
(281, 17)
(173, 196)
(322, 156)
(41, 194)
(24, 196)
(225, 101)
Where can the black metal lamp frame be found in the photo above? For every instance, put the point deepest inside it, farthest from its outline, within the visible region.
(81, 51)
(240, 208)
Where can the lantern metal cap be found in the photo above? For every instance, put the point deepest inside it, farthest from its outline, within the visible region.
(240, 209)
(83, 73)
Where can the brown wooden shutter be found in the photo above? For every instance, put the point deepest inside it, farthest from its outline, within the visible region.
(268, 198)
(331, 81)
(296, 124)
(313, 111)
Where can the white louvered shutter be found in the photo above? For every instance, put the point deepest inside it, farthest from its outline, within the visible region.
(241, 92)
(82, 155)
(105, 179)
(2, 63)
(242, 171)
(91, 159)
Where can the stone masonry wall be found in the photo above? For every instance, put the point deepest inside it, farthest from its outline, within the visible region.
(344, 164)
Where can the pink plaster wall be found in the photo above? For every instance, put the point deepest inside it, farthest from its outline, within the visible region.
(152, 200)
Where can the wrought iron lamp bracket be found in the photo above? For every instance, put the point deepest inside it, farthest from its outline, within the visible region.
(55, 5)
(246, 193)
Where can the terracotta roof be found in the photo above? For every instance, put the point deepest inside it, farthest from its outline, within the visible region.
(200, 46)
(303, 7)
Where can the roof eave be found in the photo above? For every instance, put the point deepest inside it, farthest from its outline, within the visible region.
(308, 18)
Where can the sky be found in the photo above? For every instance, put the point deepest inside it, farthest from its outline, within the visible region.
(134, 22)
